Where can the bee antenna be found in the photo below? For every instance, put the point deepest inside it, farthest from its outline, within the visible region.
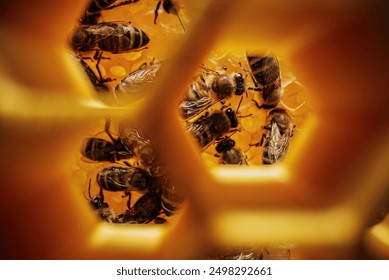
(240, 102)
(90, 197)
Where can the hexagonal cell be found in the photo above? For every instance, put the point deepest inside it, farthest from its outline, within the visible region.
(243, 109)
(122, 177)
(255, 100)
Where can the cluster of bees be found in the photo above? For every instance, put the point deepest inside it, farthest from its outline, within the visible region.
(127, 161)
(134, 167)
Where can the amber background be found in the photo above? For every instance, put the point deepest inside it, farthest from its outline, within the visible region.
(320, 200)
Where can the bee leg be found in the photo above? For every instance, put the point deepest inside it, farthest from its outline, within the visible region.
(156, 11)
(99, 55)
(256, 104)
(106, 129)
(128, 193)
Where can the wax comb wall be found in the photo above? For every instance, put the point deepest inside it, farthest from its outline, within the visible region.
(322, 201)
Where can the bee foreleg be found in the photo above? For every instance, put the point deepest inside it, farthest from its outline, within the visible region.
(256, 104)
(156, 11)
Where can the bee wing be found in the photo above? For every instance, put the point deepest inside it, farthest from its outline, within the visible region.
(199, 130)
(104, 30)
(118, 176)
(278, 144)
(132, 137)
(191, 108)
(265, 69)
(138, 79)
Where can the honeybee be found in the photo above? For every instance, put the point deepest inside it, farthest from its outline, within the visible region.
(213, 126)
(131, 87)
(97, 149)
(229, 154)
(100, 206)
(202, 95)
(266, 76)
(170, 7)
(279, 130)
(145, 209)
(141, 147)
(113, 37)
(126, 179)
(93, 11)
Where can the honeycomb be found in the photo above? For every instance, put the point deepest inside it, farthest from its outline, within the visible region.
(321, 199)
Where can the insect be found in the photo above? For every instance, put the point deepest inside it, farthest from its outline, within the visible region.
(141, 147)
(170, 7)
(100, 206)
(213, 126)
(279, 130)
(145, 209)
(126, 179)
(132, 86)
(229, 154)
(93, 11)
(171, 199)
(113, 37)
(267, 79)
(203, 94)
(97, 149)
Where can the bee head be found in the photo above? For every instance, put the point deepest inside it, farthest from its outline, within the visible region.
(232, 118)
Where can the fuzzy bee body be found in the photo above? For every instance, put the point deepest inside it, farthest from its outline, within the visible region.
(97, 149)
(113, 37)
(229, 154)
(124, 179)
(209, 128)
(267, 79)
(217, 88)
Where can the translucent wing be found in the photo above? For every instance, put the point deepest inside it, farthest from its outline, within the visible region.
(132, 137)
(278, 143)
(104, 30)
(139, 79)
(199, 131)
(191, 108)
